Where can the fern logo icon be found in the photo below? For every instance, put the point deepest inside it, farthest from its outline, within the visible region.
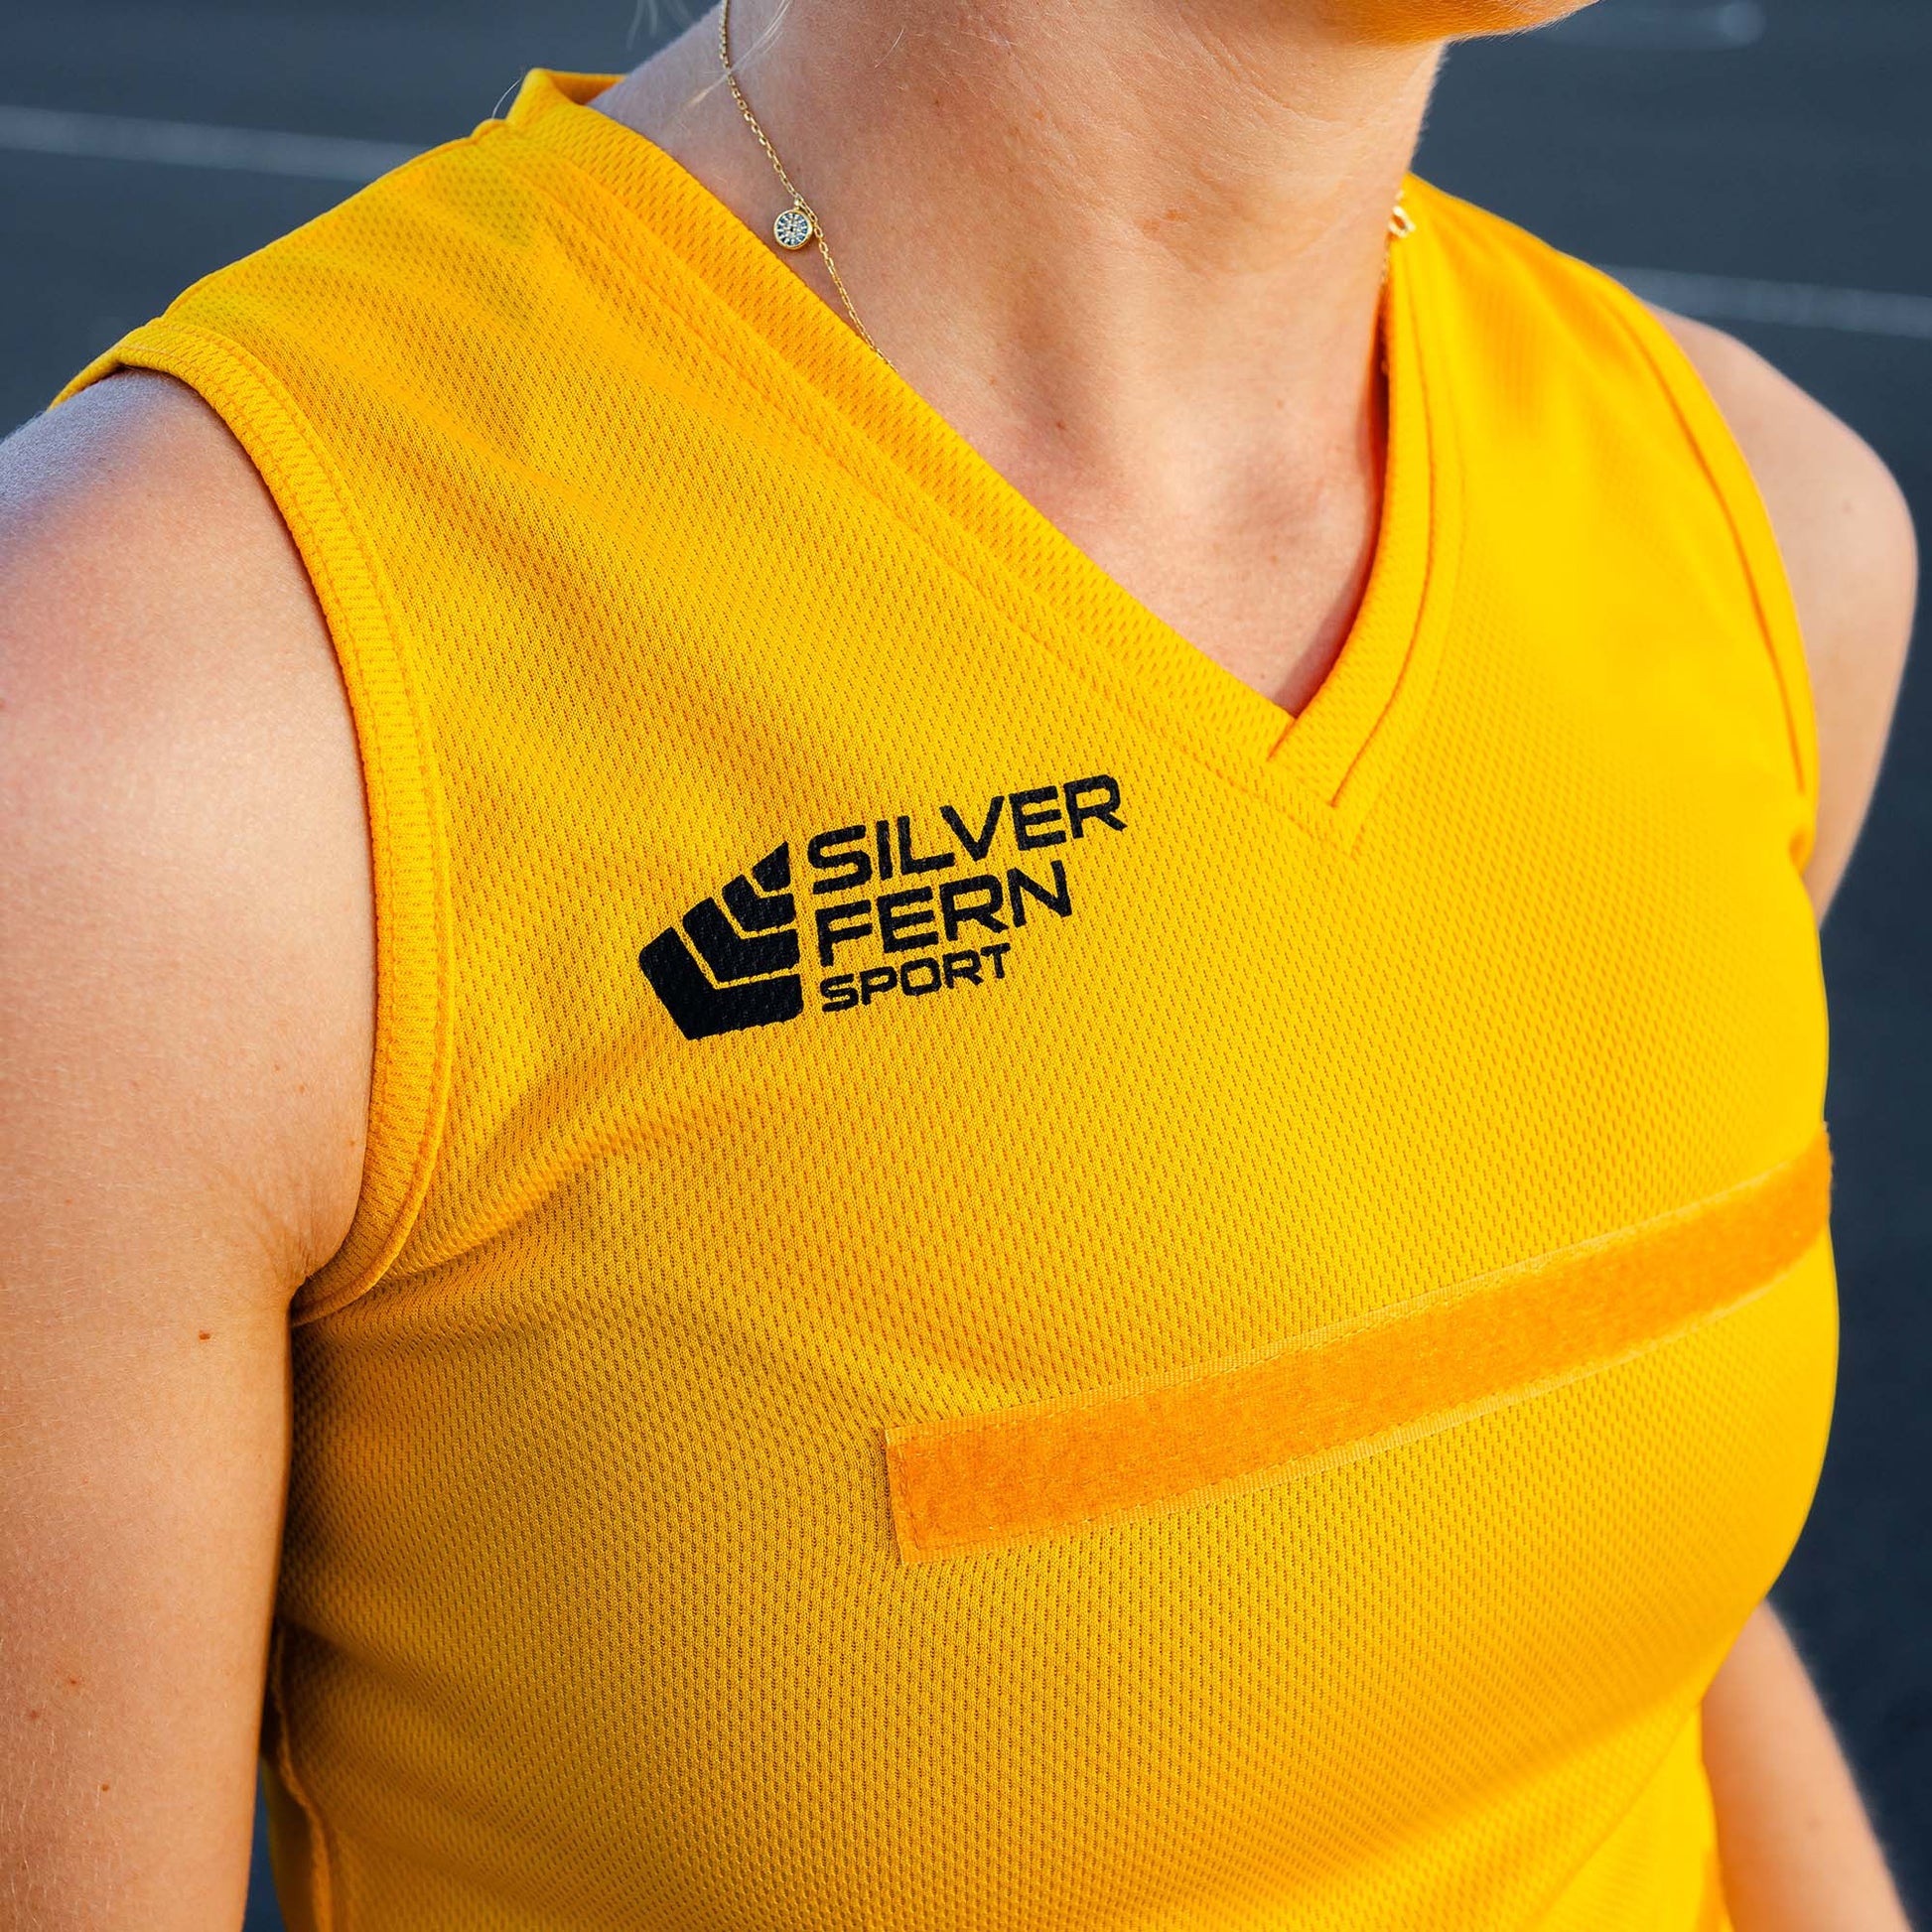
(732, 965)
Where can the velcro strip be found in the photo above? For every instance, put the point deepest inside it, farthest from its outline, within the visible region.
(1335, 1394)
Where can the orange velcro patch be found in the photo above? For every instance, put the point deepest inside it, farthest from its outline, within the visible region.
(981, 1482)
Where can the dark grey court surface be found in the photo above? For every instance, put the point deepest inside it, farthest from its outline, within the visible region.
(1774, 157)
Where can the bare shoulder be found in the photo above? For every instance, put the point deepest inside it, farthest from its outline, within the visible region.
(185, 1033)
(187, 845)
(1851, 554)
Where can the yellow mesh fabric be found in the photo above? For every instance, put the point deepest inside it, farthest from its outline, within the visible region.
(1180, 1033)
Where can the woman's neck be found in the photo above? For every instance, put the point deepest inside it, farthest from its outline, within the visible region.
(1131, 251)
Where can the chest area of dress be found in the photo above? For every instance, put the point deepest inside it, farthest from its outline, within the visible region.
(945, 974)
(947, 1046)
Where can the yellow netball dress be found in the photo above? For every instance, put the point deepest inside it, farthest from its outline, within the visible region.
(999, 1290)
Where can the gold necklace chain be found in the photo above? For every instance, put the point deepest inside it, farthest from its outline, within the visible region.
(798, 225)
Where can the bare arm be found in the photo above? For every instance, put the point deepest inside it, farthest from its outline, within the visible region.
(1797, 1849)
(186, 996)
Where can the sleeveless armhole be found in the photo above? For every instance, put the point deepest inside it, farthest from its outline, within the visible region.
(1731, 477)
(414, 970)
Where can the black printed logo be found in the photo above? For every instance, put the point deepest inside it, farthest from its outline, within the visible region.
(734, 961)
(733, 966)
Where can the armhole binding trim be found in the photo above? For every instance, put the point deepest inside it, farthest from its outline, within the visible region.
(1730, 475)
(295, 1827)
(414, 995)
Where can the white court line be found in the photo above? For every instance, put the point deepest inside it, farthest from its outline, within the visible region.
(330, 156)
(1791, 304)
(191, 144)
(1669, 28)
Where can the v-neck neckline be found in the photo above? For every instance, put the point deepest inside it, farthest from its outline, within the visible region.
(1323, 766)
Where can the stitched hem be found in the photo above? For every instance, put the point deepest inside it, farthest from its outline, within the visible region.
(298, 1839)
(1742, 502)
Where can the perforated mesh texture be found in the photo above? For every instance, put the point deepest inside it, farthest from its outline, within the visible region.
(639, 568)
